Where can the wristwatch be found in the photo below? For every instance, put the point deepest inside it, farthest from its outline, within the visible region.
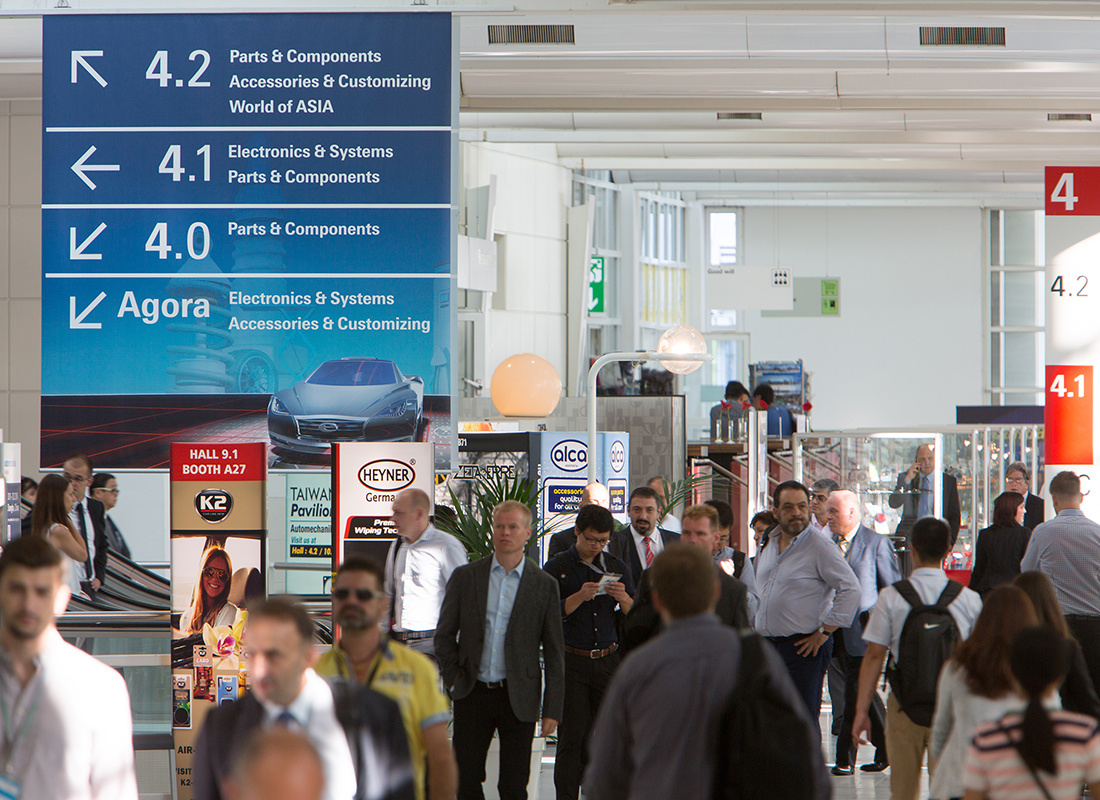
(822, 630)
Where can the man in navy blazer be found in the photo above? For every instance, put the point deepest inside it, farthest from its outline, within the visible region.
(640, 542)
(496, 614)
(872, 558)
(1018, 479)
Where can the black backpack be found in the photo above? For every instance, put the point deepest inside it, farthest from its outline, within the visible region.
(766, 744)
(928, 639)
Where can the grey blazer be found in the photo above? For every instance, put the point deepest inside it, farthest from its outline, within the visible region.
(535, 620)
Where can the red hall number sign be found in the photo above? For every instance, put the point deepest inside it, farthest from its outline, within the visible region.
(1073, 191)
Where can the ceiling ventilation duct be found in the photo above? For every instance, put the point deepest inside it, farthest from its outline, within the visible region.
(531, 34)
(740, 115)
(1069, 117)
(962, 37)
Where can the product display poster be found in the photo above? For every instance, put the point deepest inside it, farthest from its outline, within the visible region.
(13, 478)
(218, 538)
(366, 479)
(308, 530)
(254, 213)
(1072, 326)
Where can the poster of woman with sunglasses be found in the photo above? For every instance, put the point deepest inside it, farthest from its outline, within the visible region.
(210, 599)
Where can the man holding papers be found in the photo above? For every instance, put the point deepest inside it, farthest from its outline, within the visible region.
(595, 588)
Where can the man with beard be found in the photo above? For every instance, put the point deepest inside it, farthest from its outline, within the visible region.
(640, 542)
(807, 591)
(364, 655)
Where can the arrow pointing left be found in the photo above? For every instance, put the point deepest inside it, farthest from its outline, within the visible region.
(76, 252)
(80, 167)
(79, 59)
(76, 321)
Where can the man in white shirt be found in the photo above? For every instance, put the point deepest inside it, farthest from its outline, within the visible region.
(906, 741)
(71, 735)
(418, 566)
(640, 542)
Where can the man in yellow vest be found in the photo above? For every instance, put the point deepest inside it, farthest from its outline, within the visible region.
(363, 654)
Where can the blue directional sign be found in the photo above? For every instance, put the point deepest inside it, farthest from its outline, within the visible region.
(232, 204)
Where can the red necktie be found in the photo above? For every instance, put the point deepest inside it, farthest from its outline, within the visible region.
(648, 552)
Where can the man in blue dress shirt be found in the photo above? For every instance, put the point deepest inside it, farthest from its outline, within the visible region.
(807, 591)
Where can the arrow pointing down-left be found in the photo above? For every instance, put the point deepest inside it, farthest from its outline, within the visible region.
(76, 321)
(76, 252)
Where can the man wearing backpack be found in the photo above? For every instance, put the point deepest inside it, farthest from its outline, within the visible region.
(657, 735)
(919, 633)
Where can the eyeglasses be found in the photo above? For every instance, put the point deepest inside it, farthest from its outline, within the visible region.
(112, 491)
(596, 542)
(216, 574)
(76, 478)
(362, 595)
(1018, 481)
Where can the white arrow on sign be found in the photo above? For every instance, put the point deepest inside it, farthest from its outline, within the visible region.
(80, 167)
(79, 59)
(76, 321)
(76, 252)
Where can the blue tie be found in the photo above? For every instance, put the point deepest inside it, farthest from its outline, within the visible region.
(924, 505)
(287, 720)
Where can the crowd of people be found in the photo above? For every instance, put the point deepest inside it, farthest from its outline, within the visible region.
(627, 644)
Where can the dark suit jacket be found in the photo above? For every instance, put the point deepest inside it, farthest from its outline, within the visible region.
(875, 564)
(906, 496)
(362, 712)
(535, 620)
(98, 515)
(643, 622)
(1035, 511)
(997, 555)
(622, 546)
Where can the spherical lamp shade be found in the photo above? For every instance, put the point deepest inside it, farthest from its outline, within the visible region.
(525, 385)
(682, 339)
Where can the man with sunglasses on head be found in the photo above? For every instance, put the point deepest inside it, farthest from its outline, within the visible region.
(596, 591)
(364, 654)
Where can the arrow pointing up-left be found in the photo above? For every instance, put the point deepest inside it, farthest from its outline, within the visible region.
(76, 321)
(79, 59)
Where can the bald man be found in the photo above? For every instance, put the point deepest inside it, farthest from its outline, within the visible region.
(914, 494)
(871, 557)
(594, 494)
(277, 763)
(418, 566)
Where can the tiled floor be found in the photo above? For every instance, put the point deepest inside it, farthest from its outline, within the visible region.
(861, 786)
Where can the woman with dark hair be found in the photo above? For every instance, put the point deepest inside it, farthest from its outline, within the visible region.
(976, 685)
(1000, 547)
(210, 600)
(50, 520)
(1078, 692)
(762, 522)
(1044, 753)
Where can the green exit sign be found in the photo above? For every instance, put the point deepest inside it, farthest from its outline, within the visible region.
(596, 284)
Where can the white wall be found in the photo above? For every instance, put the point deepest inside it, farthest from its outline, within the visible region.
(907, 347)
(533, 192)
(21, 276)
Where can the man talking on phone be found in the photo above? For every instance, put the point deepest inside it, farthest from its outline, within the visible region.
(914, 492)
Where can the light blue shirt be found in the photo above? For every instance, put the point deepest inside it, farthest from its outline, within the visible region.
(1067, 550)
(503, 585)
(807, 585)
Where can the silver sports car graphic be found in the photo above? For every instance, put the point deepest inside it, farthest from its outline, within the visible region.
(349, 400)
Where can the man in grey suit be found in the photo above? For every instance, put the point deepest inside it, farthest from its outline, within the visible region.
(496, 613)
(871, 557)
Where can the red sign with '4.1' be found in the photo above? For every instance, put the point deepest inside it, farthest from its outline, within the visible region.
(1073, 191)
(1068, 415)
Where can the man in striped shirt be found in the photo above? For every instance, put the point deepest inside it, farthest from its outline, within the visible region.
(1067, 550)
